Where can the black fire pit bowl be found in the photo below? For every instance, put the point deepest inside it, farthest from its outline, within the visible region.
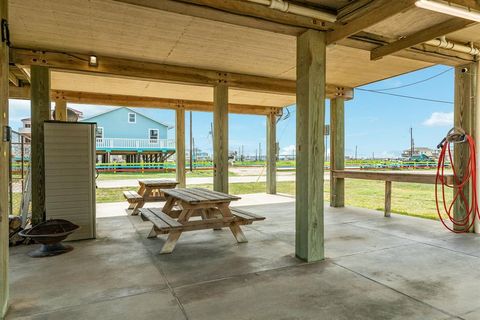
(50, 234)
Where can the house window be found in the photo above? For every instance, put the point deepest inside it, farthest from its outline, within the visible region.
(99, 133)
(132, 118)
(153, 135)
(28, 125)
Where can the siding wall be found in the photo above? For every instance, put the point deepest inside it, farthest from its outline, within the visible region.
(70, 176)
(115, 125)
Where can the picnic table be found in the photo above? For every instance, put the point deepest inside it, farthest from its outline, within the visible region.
(149, 191)
(209, 210)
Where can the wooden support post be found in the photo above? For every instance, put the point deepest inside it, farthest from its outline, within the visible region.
(180, 146)
(271, 154)
(311, 70)
(337, 151)
(61, 110)
(4, 164)
(388, 198)
(220, 138)
(476, 132)
(40, 109)
(463, 118)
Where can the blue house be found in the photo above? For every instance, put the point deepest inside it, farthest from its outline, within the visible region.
(133, 136)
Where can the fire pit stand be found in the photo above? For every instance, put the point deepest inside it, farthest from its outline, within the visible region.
(50, 234)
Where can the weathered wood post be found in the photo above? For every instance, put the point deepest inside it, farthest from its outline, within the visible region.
(337, 151)
(180, 146)
(271, 153)
(463, 118)
(476, 132)
(309, 242)
(61, 110)
(388, 199)
(220, 138)
(4, 160)
(40, 109)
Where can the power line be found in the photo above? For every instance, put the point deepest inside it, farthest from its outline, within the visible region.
(405, 96)
(417, 82)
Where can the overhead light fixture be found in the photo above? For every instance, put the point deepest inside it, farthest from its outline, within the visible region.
(92, 61)
(446, 8)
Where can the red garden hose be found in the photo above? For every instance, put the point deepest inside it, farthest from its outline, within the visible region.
(471, 207)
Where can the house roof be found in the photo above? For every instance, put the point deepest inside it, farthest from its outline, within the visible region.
(130, 109)
(77, 112)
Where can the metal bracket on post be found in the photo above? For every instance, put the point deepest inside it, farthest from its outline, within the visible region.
(5, 32)
(7, 134)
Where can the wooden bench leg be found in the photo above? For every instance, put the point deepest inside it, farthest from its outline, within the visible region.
(238, 233)
(171, 242)
(388, 198)
(137, 206)
(153, 233)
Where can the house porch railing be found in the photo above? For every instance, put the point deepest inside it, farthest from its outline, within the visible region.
(144, 144)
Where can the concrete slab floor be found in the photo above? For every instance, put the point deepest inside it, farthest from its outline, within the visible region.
(376, 268)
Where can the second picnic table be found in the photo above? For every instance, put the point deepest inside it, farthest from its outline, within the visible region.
(182, 204)
(149, 191)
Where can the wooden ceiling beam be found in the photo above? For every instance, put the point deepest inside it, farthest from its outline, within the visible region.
(369, 15)
(247, 9)
(123, 68)
(422, 36)
(23, 93)
(198, 10)
(13, 79)
(25, 72)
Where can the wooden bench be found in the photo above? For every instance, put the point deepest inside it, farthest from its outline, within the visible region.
(248, 217)
(164, 224)
(389, 177)
(132, 198)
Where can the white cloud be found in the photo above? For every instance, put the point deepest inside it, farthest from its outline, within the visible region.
(439, 119)
(288, 149)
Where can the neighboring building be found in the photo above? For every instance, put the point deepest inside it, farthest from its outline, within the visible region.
(26, 130)
(419, 151)
(133, 136)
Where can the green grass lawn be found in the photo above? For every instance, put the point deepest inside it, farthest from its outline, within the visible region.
(153, 175)
(407, 198)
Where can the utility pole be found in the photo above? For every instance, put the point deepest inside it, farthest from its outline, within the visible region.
(194, 150)
(191, 143)
(356, 149)
(259, 151)
(211, 133)
(412, 143)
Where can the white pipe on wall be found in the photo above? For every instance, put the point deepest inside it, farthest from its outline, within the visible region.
(285, 6)
(444, 43)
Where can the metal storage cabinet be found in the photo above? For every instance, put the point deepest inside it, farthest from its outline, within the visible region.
(70, 175)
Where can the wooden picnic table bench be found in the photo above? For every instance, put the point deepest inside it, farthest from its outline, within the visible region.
(211, 207)
(149, 191)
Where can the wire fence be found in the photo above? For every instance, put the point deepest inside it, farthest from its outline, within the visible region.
(20, 148)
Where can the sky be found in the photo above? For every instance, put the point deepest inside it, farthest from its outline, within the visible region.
(377, 124)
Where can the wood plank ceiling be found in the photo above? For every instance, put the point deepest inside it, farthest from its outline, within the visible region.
(110, 28)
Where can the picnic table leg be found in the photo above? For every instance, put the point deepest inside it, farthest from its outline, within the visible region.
(234, 226)
(171, 242)
(153, 233)
(145, 193)
(167, 207)
(138, 205)
(211, 214)
(173, 236)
